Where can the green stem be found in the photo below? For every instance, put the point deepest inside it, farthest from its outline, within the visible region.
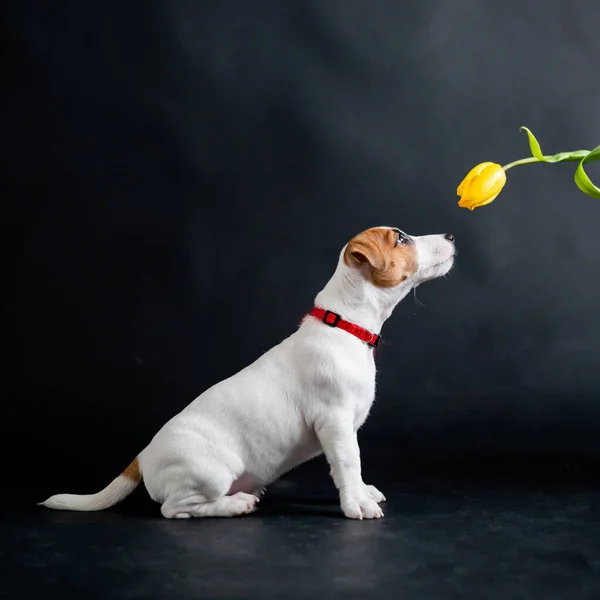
(574, 156)
(523, 161)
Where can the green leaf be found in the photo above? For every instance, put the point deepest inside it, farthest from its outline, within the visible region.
(536, 151)
(582, 181)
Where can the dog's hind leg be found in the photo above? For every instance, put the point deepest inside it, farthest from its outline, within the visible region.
(203, 490)
(200, 506)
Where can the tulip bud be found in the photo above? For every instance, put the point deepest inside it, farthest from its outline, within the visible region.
(481, 185)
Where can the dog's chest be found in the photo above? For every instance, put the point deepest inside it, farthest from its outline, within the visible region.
(362, 394)
(362, 407)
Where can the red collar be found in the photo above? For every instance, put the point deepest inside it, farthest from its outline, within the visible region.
(334, 320)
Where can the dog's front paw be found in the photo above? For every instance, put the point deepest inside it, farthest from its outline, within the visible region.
(360, 506)
(374, 493)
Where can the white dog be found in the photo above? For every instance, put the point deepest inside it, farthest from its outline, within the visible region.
(306, 396)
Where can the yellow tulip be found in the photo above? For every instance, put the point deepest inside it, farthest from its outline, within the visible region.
(481, 185)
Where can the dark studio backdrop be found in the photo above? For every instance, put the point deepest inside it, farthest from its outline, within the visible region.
(179, 178)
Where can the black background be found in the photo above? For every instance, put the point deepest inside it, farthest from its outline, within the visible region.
(180, 177)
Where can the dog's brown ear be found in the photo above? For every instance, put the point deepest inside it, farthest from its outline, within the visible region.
(365, 251)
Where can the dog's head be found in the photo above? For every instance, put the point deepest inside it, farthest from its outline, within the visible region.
(393, 260)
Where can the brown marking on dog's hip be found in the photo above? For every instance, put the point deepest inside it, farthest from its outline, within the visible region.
(133, 471)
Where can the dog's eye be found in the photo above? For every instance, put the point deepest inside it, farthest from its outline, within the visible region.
(402, 239)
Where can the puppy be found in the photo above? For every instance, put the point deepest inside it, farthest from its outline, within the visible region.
(306, 396)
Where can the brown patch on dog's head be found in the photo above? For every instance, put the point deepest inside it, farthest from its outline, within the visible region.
(384, 261)
(133, 471)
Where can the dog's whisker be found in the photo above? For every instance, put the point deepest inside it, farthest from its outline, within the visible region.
(417, 301)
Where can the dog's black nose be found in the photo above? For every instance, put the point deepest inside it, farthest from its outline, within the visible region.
(449, 237)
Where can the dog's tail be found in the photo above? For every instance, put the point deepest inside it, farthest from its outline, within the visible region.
(114, 492)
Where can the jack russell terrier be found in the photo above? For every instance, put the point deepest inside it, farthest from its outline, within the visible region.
(306, 396)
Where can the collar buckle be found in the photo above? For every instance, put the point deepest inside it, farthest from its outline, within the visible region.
(332, 322)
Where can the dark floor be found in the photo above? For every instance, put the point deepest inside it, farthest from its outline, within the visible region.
(501, 540)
